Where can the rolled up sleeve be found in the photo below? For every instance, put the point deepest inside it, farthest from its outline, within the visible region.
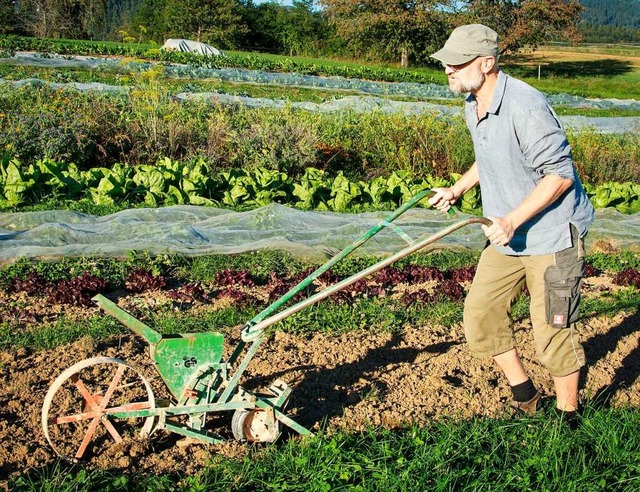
(544, 144)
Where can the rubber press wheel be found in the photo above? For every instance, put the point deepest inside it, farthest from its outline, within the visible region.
(79, 409)
(252, 425)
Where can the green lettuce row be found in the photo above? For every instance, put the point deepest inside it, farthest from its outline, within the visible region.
(172, 182)
(625, 197)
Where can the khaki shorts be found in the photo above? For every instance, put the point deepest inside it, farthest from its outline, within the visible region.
(554, 284)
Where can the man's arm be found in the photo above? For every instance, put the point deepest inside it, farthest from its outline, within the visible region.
(547, 191)
(445, 197)
(544, 144)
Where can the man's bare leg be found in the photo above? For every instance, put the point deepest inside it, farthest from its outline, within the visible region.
(566, 386)
(512, 367)
(526, 397)
(567, 391)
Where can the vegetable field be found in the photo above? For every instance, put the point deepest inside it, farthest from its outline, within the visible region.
(380, 371)
(384, 358)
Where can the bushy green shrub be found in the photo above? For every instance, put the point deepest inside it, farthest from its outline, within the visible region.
(602, 157)
(284, 140)
(63, 125)
(148, 124)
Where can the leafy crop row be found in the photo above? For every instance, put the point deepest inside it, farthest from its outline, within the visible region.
(629, 277)
(171, 182)
(239, 286)
(232, 284)
(79, 290)
(76, 292)
(251, 62)
(256, 268)
(625, 197)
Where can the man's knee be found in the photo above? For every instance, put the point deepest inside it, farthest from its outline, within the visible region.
(487, 330)
(561, 354)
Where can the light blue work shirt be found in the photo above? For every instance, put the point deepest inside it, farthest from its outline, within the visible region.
(517, 143)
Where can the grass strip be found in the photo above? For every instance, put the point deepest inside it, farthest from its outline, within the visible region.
(539, 453)
(375, 314)
(46, 336)
(328, 317)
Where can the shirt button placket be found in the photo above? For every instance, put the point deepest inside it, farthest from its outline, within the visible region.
(481, 130)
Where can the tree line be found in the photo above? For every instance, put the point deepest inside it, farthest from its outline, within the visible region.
(388, 30)
(613, 13)
(595, 33)
(610, 21)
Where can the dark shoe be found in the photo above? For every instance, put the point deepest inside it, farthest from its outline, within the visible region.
(530, 407)
(570, 418)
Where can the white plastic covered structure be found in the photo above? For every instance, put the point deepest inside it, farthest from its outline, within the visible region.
(188, 46)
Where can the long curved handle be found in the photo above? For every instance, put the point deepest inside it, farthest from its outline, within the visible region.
(252, 332)
(287, 296)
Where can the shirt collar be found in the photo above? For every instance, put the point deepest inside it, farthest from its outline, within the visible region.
(498, 93)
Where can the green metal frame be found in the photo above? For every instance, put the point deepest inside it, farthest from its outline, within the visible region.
(191, 365)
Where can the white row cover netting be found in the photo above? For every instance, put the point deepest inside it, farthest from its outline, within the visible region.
(349, 103)
(191, 230)
(359, 104)
(410, 89)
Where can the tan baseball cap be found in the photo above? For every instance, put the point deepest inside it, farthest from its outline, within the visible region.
(466, 43)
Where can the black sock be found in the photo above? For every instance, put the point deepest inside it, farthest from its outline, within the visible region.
(524, 391)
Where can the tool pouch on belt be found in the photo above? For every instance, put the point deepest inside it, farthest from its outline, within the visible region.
(562, 285)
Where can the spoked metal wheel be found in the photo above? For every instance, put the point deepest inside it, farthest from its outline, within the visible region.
(256, 425)
(84, 403)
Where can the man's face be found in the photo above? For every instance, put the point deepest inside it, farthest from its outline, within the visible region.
(464, 78)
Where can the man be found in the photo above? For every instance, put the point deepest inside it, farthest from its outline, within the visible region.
(539, 212)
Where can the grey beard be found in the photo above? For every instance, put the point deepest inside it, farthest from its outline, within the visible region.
(474, 86)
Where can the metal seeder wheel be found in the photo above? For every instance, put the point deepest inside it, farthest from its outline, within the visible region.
(255, 425)
(82, 404)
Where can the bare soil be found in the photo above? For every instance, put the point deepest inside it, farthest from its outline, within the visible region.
(340, 382)
(558, 56)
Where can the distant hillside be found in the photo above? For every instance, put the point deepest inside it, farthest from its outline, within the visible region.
(118, 11)
(612, 13)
